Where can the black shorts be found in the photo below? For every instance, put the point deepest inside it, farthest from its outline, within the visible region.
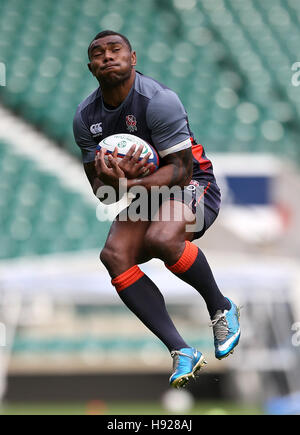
(203, 199)
(201, 196)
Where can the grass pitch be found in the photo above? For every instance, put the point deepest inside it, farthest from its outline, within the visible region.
(122, 408)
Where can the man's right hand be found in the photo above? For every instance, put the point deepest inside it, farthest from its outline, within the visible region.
(130, 164)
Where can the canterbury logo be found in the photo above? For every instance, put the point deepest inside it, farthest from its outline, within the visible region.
(96, 129)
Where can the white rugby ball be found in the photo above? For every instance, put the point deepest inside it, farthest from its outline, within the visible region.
(124, 142)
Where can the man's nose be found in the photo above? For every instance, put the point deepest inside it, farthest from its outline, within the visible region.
(108, 55)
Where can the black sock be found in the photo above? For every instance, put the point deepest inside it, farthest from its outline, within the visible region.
(144, 299)
(193, 268)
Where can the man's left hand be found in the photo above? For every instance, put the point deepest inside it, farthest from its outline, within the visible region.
(108, 175)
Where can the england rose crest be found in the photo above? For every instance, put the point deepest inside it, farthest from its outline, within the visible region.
(131, 123)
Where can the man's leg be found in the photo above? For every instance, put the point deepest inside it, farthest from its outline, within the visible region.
(171, 242)
(123, 251)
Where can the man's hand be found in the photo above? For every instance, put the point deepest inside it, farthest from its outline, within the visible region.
(176, 169)
(130, 164)
(108, 175)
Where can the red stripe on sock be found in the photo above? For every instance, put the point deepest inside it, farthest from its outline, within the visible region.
(186, 260)
(127, 278)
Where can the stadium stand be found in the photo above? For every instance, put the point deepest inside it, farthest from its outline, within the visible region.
(228, 60)
(38, 214)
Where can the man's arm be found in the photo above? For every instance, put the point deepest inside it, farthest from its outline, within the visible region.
(167, 121)
(176, 170)
(92, 176)
(88, 149)
(103, 196)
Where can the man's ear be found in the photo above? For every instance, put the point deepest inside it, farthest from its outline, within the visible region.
(90, 67)
(133, 58)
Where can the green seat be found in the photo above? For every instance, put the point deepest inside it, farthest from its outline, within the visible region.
(39, 215)
(248, 48)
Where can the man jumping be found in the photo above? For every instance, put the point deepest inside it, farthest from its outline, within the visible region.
(127, 101)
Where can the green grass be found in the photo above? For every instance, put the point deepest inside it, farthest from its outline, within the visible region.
(122, 408)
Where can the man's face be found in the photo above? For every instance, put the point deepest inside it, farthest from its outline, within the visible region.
(111, 60)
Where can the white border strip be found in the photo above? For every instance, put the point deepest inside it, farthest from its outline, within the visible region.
(179, 147)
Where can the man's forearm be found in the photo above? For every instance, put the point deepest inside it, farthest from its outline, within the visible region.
(168, 175)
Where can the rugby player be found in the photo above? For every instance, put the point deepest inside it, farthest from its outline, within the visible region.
(127, 101)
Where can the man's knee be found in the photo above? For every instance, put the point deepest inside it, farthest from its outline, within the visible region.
(110, 257)
(116, 260)
(163, 244)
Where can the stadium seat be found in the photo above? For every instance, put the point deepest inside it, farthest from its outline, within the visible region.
(38, 215)
(189, 49)
(230, 64)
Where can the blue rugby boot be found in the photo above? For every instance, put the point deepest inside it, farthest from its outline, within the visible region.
(187, 362)
(226, 328)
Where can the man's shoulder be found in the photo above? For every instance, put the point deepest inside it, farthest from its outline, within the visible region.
(89, 100)
(148, 86)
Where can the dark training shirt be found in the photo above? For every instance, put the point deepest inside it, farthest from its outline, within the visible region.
(150, 111)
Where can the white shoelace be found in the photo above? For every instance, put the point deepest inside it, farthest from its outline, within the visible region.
(220, 326)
